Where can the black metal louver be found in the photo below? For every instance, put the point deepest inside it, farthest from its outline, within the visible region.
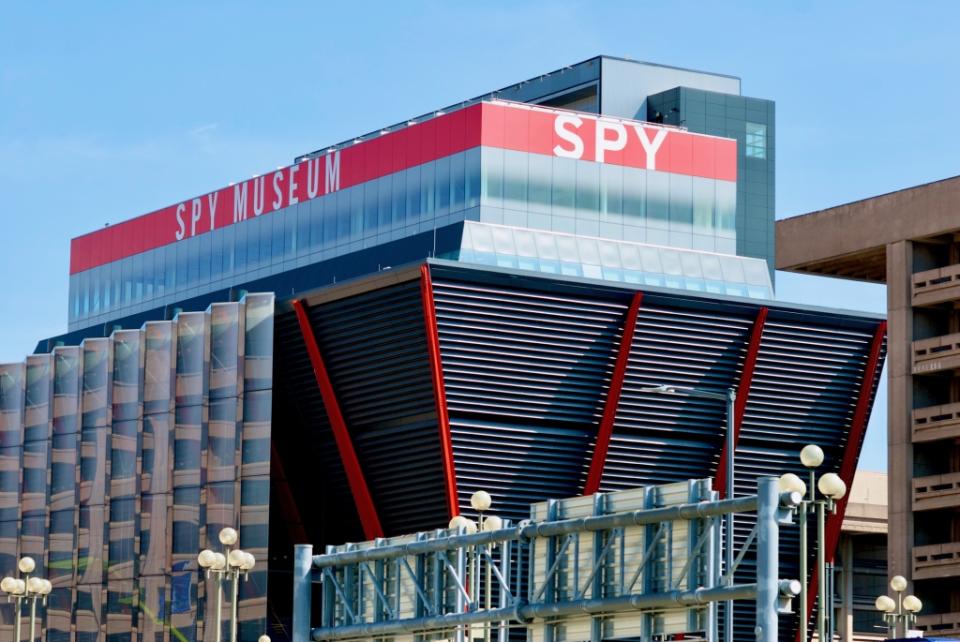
(525, 375)
(374, 347)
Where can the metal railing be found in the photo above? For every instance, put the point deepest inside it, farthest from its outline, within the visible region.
(580, 572)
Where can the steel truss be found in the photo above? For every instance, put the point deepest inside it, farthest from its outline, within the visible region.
(563, 579)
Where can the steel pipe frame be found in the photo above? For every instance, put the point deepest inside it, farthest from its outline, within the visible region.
(522, 614)
(767, 503)
(745, 504)
(766, 590)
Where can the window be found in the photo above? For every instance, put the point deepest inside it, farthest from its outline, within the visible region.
(756, 140)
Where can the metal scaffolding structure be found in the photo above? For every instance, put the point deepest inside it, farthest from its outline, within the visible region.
(587, 568)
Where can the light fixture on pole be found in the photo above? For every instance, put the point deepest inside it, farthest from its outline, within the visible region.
(730, 397)
(904, 609)
(481, 502)
(26, 588)
(832, 488)
(228, 567)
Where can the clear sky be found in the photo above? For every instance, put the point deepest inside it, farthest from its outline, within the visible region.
(109, 110)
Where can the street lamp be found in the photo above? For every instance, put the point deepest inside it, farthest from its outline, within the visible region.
(730, 397)
(481, 502)
(905, 608)
(833, 489)
(26, 588)
(227, 567)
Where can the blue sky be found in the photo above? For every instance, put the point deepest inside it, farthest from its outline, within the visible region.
(111, 110)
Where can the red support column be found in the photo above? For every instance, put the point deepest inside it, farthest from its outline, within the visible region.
(439, 391)
(857, 429)
(848, 465)
(605, 431)
(743, 393)
(351, 465)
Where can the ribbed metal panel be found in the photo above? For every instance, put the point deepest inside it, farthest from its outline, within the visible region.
(402, 464)
(526, 374)
(526, 356)
(376, 352)
(374, 348)
(305, 444)
(661, 438)
(517, 464)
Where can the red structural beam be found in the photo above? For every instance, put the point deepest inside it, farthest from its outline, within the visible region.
(351, 465)
(743, 392)
(439, 390)
(605, 431)
(857, 429)
(851, 454)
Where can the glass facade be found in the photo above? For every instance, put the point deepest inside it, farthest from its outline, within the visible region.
(486, 184)
(395, 206)
(154, 440)
(622, 261)
(752, 122)
(607, 201)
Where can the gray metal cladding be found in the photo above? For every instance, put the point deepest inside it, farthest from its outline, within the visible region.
(517, 464)
(402, 465)
(374, 347)
(525, 374)
(524, 355)
(375, 350)
(306, 447)
(659, 438)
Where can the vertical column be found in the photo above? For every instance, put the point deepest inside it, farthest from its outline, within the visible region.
(900, 404)
(156, 474)
(96, 410)
(38, 424)
(257, 340)
(192, 381)
(302, 587)
(123, 486)
(11, 453)
(846, 593)
(768, 559)
(64, 492)
(222, 492)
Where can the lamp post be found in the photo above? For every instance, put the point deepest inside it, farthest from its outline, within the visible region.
(833, 489)
(228, 567)
(730, 397)
(903, 609)
(481, 502)
(25, 588)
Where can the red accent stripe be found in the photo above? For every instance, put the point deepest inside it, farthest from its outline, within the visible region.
(851, 454)
(605, 431)
(288, 506)
(743, 393)
(439, 390)
(351, 465)
(534, 130)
